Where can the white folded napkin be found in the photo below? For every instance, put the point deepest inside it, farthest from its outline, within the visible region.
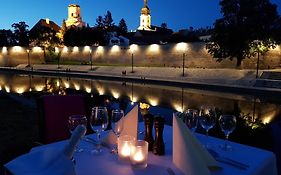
(130, 127)
(188, 153)
(48, 161)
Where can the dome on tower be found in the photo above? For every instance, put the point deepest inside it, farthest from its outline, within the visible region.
(145, 11)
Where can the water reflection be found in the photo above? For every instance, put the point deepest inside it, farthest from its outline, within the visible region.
(253, 110)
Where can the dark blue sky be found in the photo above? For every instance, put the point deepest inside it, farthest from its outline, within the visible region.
(177, 14)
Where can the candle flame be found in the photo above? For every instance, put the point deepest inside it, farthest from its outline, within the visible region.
(126, 150)
(138, 156)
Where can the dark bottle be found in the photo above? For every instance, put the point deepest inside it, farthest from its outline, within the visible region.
(148, 122)
(159, 146)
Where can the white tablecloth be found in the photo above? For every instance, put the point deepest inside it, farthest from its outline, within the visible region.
(260, 161)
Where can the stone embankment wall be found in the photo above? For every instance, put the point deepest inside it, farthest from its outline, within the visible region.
(195, 56)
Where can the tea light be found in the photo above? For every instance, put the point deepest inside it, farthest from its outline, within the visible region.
(124, 146)
(139, 154)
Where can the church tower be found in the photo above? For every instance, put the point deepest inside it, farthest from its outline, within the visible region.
(74, 16)
(145, 18)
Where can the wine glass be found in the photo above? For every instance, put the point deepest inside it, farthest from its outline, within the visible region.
(227, 124)
(207, 119)
(98, 122)
(117, 124)
(191, 119)
(73, 122)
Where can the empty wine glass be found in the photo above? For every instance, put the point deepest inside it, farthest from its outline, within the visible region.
(207, 120)
(191, 119)
(227, 124)
(73, 122)
(117, 124)
(98, 122)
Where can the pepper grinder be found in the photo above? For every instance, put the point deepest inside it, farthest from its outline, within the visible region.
(148, 121)
(159, 146)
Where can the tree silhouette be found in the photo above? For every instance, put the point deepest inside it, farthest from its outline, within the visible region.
(6, 38)
(21, 33)
(108, 21)
(123, 27)
(164, 25)
(99, 22)
(243, 22)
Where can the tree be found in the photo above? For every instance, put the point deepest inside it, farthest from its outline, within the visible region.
(21, 33)
(164, 25)
(108, 21)
(99, 22)
(6, 38)
(123, 26)
(243, 22)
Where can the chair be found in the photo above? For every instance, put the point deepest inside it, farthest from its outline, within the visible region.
(54, 111)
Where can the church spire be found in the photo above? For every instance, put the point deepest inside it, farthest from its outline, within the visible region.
(145, 3)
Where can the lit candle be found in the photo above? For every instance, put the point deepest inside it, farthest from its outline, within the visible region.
(139, 154)
(124, 146)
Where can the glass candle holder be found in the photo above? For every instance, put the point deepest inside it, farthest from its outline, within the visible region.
(124, 146)
(139, 154)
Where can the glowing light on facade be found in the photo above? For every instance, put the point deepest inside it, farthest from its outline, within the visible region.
(100, 50)
(37, 49)
(115, 49)
(4, 50)
(100, 91)
(115, 94)
(155, 48)
(17, 49)
(65, 49)
(134, 48)
(20, 90)
(87, 49)
(39, 88)
(181, 47)
(57, 50)
(75, 49)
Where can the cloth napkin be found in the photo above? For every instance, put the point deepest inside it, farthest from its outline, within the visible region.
(48, 161)
(188, 153)
(130, 127)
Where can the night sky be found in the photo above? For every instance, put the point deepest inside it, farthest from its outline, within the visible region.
(177, 14)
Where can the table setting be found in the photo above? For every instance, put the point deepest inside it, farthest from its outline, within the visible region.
(148, 147)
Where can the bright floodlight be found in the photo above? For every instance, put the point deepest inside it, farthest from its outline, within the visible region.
(133, 48)
(154, 48)
(182, 47)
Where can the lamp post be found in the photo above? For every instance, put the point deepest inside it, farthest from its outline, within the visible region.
(183, 63)
(258, 62)
(91, 59)
(28, 58)
(133, 48)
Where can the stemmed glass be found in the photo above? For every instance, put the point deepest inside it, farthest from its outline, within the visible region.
(191, 119)
(207, 119)
(73, 122)
(227, 124)
(98, 122)
(117, 124)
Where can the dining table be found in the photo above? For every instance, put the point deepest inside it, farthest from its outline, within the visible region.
(257, 161)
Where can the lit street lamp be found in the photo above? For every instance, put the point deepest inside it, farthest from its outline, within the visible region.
(133, 48)
(182, 47)
(28, 58)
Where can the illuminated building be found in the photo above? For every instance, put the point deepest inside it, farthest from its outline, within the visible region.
(145, 18)
(74, 16)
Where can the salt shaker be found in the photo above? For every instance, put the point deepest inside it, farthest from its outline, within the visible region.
(148, 121)
(159, 146)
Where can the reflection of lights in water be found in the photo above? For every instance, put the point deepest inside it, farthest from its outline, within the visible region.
(100, 91)
(77, 87)
(58, 83)
(178, 107)
(7, 89)
(153, 101)
(132, 103)
(134, 99)
(57, 50)
(65, 49)
(115, 94)
(66, 84)
(100, 50)
(88, 89)
(20, 90)
(17, 49)
(30, 89)
(39, 88)
(268, 117)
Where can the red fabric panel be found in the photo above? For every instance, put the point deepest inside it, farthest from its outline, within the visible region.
(57, 109)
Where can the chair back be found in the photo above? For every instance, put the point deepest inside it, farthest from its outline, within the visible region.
(54, 111)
